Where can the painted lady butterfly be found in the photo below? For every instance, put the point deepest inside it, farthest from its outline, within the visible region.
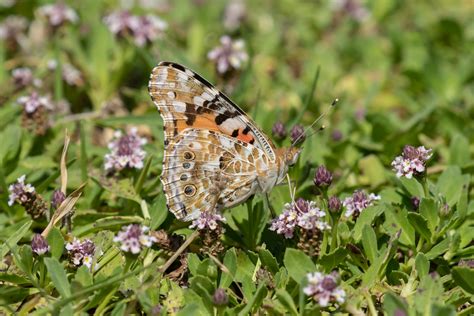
(215, 156)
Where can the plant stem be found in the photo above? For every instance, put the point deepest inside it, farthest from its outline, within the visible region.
(58, 77)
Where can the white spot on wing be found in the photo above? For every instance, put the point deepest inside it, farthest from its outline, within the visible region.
(231, 124)
(179, 106)
(198, 100)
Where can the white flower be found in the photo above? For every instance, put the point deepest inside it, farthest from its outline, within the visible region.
(324, 289)
(133, 238)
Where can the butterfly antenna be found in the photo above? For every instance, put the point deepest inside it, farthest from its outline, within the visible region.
(333, 104)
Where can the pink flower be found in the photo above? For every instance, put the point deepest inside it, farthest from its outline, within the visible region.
(207, 220)
(411, 162)
(324, 289)
(133, 238)
(126, 151)
(229, 55)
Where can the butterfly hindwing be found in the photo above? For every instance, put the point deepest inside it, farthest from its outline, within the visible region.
(207, 171)
(186, 100)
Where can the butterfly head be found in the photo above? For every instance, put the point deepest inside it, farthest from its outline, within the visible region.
(291, 155)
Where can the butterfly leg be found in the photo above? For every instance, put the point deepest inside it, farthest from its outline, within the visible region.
(269, 205)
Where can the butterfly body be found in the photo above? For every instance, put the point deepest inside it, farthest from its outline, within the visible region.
(215, 156)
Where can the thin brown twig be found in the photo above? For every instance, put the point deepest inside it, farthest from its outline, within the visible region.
(178, 252)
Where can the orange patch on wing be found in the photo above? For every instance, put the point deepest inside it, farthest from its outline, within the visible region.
(247, 138)
(202, 121)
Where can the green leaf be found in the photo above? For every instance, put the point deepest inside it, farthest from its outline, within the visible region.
(420, 223)
(193, 263)
(332, 259)
(123, 188)
(464, 277)
(442, 310)
(366, 218)
(369, 242)
(450, 184)
(15, 238)
(397, 219)
(230, 261)
(459, 150)
(10, 144)
(268, 260)
(422, 265)
(255, 301)
(393, 303)
(413, 187)
(287, 301)
(438, 249)
(158, 212)
(429, 210)
(56, 243)
(58, 276)
(298, 264)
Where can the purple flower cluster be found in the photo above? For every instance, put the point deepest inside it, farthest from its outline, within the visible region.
(358, 202)
(279, 130)
(303, 214)
(234, 13)
(133, 238)
(322, 177)
(34, 101)
(39, 245)
(22, 77)
(20, 192)
(230, 55)
(58, 14)
(207, 220)
(324, 288)
(411, 162)
(12, 28)
(353, 8)
(144, 29)
(81, 253)
(126, 151)
(297, 134)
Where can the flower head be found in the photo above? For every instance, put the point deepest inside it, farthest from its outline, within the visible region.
(126, 151)
(12, 27)
(358, 202)
(234, 14)
(220, 297)
(230, 55)
(324, 288)
(207, 220)
(133, 238)
(279, 130)
(20, 192)
(119, 22)
(22, 77)
(81, 253)
(147, 28)
(58, 14)
(322, 177)
(300, 214)
(353, 8)
(334, 204)
(411, 162)
(144, 29)
(297, 134)
(57, 198)
(39, 245)
(34, 101)
(415, 202)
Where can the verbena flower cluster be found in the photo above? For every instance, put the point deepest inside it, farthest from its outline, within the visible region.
(303, 214)
(143, 29)
(39, 245)
(324, 288)
(208, 220)
(20, 192)
(81, 252)
(58, 14)
(31, 103)
(126, 151)
(133, 238)
(358, 202)
(412, 162)
(230, 55)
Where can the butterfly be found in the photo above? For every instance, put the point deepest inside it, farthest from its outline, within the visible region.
(215, 157)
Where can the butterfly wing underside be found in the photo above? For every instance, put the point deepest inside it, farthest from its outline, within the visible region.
(211, 146)
(206, 171)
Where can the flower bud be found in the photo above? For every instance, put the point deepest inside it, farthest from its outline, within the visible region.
(57, 198)
(39, 245)
(220, 297)
(279, 130)
(334, 204)
(322, 177)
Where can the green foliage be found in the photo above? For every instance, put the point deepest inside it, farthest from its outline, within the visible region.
(403, 75)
